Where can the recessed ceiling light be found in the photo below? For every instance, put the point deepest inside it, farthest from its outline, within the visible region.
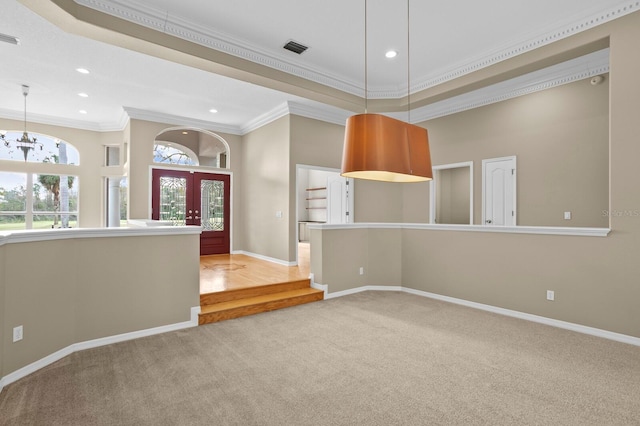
(83, 95)
(185, 133)
(391, 54)
(82, 111)
(213, 110)
(82, 70)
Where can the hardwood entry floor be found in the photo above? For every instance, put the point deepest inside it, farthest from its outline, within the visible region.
(236, 285)
(226, 272)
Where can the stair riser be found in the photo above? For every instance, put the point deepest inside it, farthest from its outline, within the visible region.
(257, 308)
(225, 296)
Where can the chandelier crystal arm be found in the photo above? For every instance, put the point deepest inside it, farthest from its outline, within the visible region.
(24, 143)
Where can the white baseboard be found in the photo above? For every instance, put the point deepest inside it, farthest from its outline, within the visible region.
(319, 286)
(534, 318)
(267, 258)
(605, 334)
(58, 355)
(364, 288)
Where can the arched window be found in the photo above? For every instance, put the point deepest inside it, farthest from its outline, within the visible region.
(44, 197)
(173, 153)
(191, 147)
(46, 149)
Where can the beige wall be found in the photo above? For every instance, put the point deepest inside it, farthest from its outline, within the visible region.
(344, 252)
(379, 201)
(560, 138)
(142, 136)
(266, 189)
(595, 279)
(109, 286)
(90, 145)
(313, 143)
(415, 202)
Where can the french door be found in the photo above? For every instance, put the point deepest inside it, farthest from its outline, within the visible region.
(194, 198)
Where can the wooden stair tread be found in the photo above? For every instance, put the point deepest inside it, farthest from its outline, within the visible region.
(257, 304)
(231, 304)
(243, 293)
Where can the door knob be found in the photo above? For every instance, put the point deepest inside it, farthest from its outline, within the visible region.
(189, 218)
(197, 217)
(488, 220)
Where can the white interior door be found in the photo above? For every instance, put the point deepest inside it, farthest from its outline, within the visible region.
(499, 191)
(337, 199)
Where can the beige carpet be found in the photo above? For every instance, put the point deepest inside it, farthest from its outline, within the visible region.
(374, 358)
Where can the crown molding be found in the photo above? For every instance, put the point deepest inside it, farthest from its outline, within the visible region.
(551, 35)
(324, 113)
(67, 122)
(156, 19)
(159, 117)
(587, 66)
(266, 118)
(577, 69)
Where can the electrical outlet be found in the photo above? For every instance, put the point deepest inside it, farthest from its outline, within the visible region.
(17, 333)
(567, 215)
(551, 295)
(361, 270)
(279, 214)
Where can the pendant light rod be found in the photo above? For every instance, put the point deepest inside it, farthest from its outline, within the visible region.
(408, 65)
(25, 92)
(366, 63)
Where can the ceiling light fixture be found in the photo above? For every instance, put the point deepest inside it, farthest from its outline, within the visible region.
(25, 143)
(378, 147)
(82, 111)
(213, 110)
(82, 70)
(83, 95)
(391, 54)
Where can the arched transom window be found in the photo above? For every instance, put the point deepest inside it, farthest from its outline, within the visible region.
(47, 195)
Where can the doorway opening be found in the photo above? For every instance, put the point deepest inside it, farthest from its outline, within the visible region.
(451, 194)
(322, 196)
(194, 198)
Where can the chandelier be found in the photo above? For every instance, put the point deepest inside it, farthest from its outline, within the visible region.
(24, 143)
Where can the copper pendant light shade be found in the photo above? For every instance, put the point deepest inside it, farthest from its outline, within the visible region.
(377, 147)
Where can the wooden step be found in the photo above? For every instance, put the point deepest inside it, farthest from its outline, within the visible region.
(254, 305)
(243, 293)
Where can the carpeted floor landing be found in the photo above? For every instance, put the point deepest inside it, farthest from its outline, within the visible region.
(373, 358)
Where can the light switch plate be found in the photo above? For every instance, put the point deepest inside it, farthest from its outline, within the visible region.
(17, 333)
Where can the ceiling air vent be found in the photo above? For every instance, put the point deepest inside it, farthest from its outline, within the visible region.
(9, 39)
(295, 47)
